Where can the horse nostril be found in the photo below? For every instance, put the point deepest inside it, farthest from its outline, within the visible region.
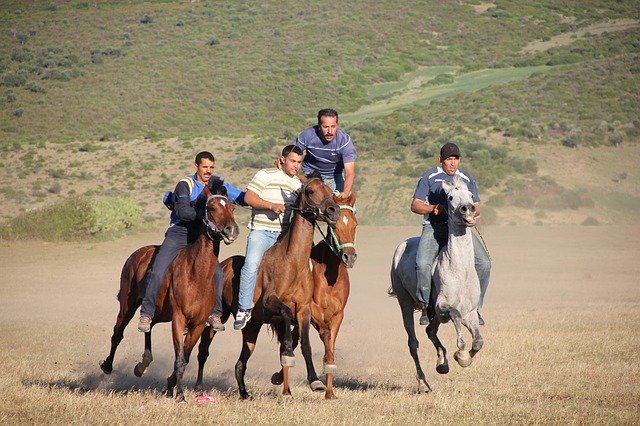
(333, 210)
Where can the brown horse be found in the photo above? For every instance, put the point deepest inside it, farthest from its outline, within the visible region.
(330, 259)
(284, 287)
(185, 296)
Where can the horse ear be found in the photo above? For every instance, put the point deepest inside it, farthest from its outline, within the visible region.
(215, 185)
(314, 175)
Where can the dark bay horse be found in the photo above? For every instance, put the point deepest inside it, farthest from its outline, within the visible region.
(330, 259)
(284, 287)
(191, 295)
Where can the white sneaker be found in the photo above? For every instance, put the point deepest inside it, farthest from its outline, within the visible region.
(242, 318)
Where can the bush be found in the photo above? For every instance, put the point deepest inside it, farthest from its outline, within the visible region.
(14, 80)
(75, 218)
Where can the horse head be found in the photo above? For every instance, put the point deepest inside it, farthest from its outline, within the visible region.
(342, 235)
(316, 202)
(460, 208)
(218, 219)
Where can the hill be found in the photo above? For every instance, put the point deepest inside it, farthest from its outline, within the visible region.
(108, 98)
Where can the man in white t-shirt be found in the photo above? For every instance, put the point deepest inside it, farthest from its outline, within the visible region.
(271, 194)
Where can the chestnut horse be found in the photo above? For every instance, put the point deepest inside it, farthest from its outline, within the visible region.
(184, 296)
(330, 259)
(284, 286)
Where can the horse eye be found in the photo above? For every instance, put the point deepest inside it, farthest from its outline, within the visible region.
(450, 197)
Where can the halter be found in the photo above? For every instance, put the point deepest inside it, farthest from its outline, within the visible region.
(313, 211)
(212, 230)
(331, 239)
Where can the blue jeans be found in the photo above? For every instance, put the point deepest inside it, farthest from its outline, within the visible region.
(176, 238)
(219, 284)
(433, 239)
(336, 183)
(258, 242)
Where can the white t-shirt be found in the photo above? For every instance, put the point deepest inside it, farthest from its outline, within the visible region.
(277, 187)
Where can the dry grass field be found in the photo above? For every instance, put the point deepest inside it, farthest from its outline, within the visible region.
(561, 341)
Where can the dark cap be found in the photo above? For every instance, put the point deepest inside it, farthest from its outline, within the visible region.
(449, 149)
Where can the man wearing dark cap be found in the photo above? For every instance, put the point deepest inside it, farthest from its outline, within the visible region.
(430, 200)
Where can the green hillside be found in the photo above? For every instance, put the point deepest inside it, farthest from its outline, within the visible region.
(512, 82)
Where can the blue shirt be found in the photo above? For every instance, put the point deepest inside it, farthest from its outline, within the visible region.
(429, 189)
(189, 204)
(328, 158)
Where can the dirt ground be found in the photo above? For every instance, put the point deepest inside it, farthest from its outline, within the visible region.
(70, 288)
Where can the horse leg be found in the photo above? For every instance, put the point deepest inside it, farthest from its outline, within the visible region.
(128, 309)
(180, 345)
(188, 343)
(442, 364)
(329, 353)
(249, 337)
(461, 355)
(147, 356)
(203, 353)
(406, 306)
(273, 304)
(303, 316)
(473, 325)
(312, 378)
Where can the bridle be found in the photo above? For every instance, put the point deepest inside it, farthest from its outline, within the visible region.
(332, 240)
(312, 212)
(212, 231)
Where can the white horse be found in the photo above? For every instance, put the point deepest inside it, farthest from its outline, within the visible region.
(455, 293)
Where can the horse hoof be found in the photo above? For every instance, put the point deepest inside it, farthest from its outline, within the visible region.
(330, 368)
(139, 369)
(463, 358)
(180, 399)
(423, 387)
(106, 369)
(287, 361)
(317, 386)
(442, 368)
(276, 378)
(330, 396)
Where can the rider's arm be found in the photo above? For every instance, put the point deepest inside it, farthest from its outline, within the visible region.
(419, 206)
(235, 195)
(183, 208)
(254, 200)
(349, 178)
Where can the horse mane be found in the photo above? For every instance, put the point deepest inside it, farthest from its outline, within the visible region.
(216, 185)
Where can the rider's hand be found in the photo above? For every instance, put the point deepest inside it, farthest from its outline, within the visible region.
(342, 197)
(277, 208)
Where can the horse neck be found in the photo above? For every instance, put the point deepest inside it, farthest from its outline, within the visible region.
(459, 238)
(299, 239)
(203, 246)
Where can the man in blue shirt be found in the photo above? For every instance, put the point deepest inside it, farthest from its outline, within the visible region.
(329, 151)
(430, 200)
(184, 228)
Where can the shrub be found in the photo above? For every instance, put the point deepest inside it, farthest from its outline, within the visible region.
(56, 75)
(56, 188)
(21, 55)
(35, 88)
(146, 19)
(14, 80)
(18, 112)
